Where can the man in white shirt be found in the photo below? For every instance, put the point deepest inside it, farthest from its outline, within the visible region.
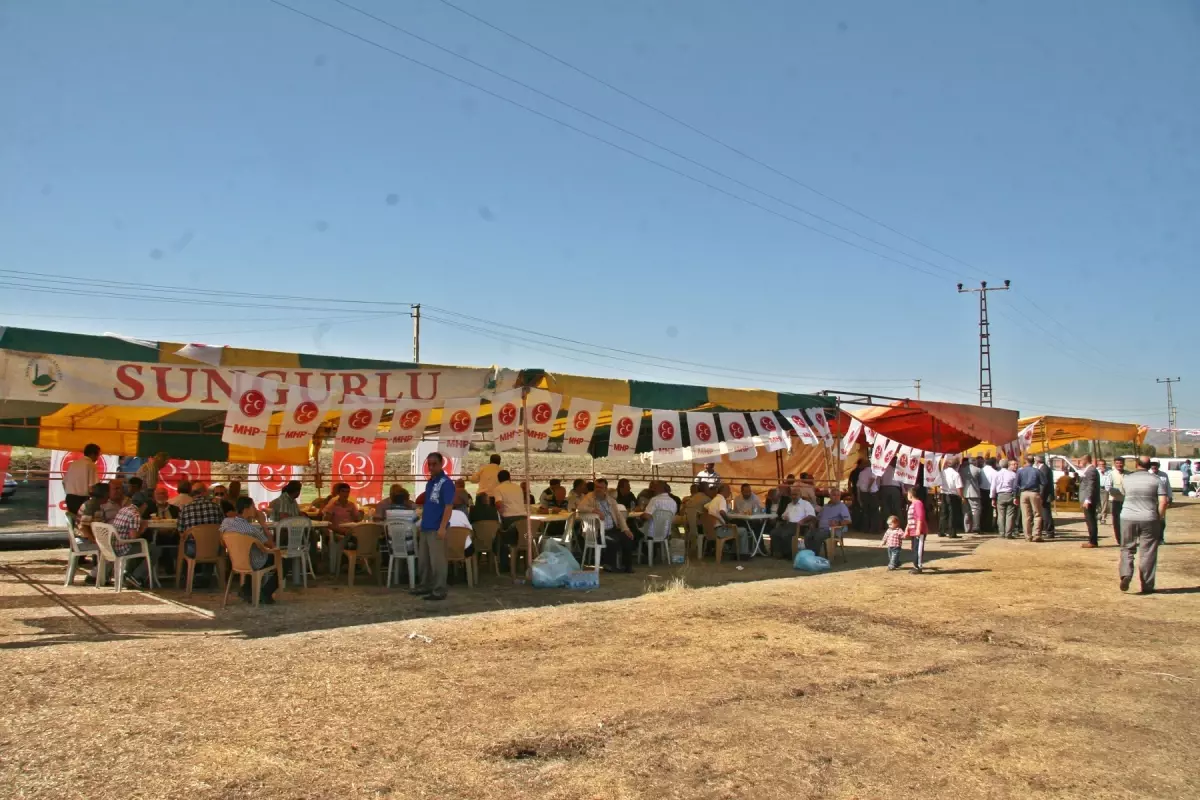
(488, 476)
(868, 498)
(891, 494)
(661, 501)
(79, 479)
(510, 500)
(708, 476)
(952, 502)
(801, 519)
(184, 497)
(718, 502)
(987, 471)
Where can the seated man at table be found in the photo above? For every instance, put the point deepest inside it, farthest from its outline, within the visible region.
(161, 507)
(341, 511)
(661, 500)
(183, 494)
(833, 512)
(800, 517)
(129, 524)
(747, 502)
(116, 500)
(220, 496)
(555, 496)
(397, 499)
(578, 492)
(511, 502)
(202, 510)
(261, 554)
(806, 487)
(618, 539)
(287, 505)
(484, 510)
(93, 511)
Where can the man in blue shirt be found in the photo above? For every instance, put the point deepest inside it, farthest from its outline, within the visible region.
(1030, 484)
(435, 520)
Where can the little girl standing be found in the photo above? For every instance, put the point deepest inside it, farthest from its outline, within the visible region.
(917, 529)
(893, 540)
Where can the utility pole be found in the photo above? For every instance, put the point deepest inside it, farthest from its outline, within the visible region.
(985, 340)
(1171, 410)
(416, 318)
(917, 386)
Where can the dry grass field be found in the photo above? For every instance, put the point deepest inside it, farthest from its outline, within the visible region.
(1010, 670)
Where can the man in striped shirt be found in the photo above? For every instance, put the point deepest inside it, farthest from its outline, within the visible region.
(260, 554)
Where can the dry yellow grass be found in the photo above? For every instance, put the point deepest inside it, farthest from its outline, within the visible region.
(1014, 670)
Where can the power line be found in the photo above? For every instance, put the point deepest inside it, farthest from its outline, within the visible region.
(639, 137)
(601, 139)
(710, 137)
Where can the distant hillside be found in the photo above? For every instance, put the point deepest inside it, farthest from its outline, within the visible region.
(1161, 440)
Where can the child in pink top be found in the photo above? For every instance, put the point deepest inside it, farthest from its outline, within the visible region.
(917, 529)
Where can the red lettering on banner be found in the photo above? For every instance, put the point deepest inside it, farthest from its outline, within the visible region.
(125, 374)
(538, 435)
(246, 430)
(351, 440)
(383, 384)
(504, 437)
(302, 379)
(214, 377)
(329, 376)
(296, 435)
(620, 448)
(160, 374)
(575, 440)
(281, 376)
(414, 385)
(353, 378)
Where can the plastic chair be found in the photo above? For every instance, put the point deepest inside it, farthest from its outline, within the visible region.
(694, 534)
(484, 537)
(837, 540)
(456, 547)
(402, 546)
(368, 535)
(208, 551)
(714, 531)
(80, 548)
(105, 534)
(238, 545)
(520, 550)
(292, 537)
(658, 533)
(592, 528)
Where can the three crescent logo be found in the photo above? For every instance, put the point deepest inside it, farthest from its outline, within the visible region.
(272, 477)
(541, 413)
(305, 413)
(625, 427)
(360, 419)
(409, 419)
(253, 403)
(460, 421)
(354, 469)
(737, 430)
(703, 432)
(582, 420)
(767, 424)
(666, 431)
(508, 414)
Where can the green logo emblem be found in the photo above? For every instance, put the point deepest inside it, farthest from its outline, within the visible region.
(43, 374)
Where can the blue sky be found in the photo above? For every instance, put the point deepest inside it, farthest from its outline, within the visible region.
(234, 145)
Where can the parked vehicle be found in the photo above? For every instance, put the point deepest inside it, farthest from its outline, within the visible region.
(10, 488)
(1169, 466)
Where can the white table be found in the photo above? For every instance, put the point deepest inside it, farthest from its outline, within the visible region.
(755, 536)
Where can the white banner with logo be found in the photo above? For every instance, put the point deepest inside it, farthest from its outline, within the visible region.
(821, 425)
(249, 414)
(60, 461)
(267, 481)
(581, 424)
(541, 408)
(409, 418)
(878, 459)
(738, 439)
(851, 437)
(358, 426)
(799, 424)
(623, 435)
(908, 459)
(304, 412)
(458, 424)
(869, 435)
(767, 425)
(666, 436)
(454, 467)
(933, 469)
(702, 433)
(1025, 437)
(506, 420)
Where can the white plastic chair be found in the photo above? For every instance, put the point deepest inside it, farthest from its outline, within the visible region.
(592, 528)
(402, 539)
(658, 533)
(80, 548)
(105, 534)
(296, 531)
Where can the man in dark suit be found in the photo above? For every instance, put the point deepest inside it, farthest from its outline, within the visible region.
(1089, 499)
(1048, 491)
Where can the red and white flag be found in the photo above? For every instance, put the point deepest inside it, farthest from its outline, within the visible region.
(267, 481)
(409, 418)
(738, 439)
(666, 436)
(908, 461)
(851, 437)
(182, 469)
(933, 469)
(767, 425)
(249, 415)
(60, 462)
(541, 409)
(821, 425)
(869, 434)
(359, 424)
(702, 433)
(795, 418)
(890, 451)
(581, 424)
(506, 420)
(623, 434)
(304, 412)
(458, 425)
(1026, 437)
(878, 450)
(362, 471)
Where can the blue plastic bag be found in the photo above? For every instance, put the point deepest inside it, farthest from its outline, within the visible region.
(808, 561)
(554, 566)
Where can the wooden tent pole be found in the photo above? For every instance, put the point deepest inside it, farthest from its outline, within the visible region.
(528, 485)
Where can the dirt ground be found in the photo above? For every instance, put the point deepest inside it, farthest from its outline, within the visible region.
(1010, 670)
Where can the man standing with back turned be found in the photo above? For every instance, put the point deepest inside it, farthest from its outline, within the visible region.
(1029, 487)
(1141, 515)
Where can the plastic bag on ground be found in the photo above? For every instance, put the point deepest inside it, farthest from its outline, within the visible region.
(808, 561)
(552, 568)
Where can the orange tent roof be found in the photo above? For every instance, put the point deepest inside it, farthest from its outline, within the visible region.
(938, 427)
